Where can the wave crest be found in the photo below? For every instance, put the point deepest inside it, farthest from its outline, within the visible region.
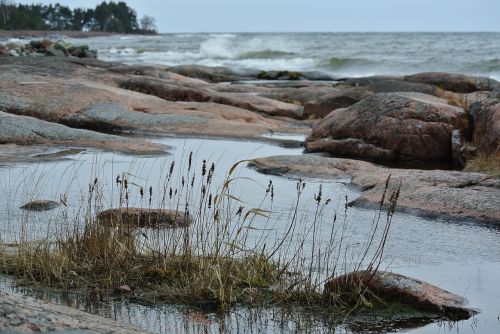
(336, 63)
(266, 54)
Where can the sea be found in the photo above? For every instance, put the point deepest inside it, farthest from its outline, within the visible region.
(340, 54)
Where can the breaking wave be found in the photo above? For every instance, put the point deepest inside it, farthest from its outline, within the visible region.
(266, 54)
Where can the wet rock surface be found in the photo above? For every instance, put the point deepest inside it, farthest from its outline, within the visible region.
(444, 194)
(26, 315)
(395, 288)
(144, 217)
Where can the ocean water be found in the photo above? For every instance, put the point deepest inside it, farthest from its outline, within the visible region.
(341, 54)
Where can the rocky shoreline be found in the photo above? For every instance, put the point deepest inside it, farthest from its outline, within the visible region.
(419, 121)
(52, 33)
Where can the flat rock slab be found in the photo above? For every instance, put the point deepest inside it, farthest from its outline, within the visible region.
(40, 205)
(27, 315)
(24, 130)
(452, 195)
(110, 97)
(143, 217)
(391, 287)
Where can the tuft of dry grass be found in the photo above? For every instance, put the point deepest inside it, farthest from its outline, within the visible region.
(489, 164)
(222, 258)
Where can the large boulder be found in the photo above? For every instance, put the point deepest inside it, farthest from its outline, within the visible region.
(407, 128)
(395, 288)
(486, 116)
(458, 83)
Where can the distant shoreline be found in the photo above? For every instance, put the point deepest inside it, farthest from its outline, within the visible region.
(47, 33)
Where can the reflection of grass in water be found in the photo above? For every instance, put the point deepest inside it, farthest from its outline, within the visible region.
(170, 317)
(225, 257)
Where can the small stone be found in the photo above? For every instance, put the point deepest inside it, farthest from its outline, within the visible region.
(40, 205)
(125, 289)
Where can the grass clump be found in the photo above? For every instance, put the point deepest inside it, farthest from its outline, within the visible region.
(485, 163)
(224, 257)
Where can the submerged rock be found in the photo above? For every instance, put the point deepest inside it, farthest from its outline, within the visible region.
(144, 217)
(40, 205)
(395, 288)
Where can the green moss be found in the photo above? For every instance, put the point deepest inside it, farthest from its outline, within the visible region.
(290, 75)
(263, 75)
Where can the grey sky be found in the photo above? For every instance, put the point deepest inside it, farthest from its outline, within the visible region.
(314, 15)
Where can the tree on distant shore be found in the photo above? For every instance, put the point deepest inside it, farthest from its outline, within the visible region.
(107, 17)
(148, 24)
(5, 6)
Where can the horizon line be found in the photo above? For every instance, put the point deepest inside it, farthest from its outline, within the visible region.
(332, 32)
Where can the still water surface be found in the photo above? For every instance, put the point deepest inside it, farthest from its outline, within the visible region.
(460, 257)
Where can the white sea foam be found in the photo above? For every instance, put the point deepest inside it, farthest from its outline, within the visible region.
(341, 54)
(218, 46)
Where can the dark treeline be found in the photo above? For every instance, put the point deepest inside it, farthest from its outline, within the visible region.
(107, 17)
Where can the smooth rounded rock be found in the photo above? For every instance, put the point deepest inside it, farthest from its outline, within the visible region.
(395, 288)
(144, 217)
(408, 128)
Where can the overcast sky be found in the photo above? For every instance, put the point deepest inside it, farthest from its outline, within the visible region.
(314, 15)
